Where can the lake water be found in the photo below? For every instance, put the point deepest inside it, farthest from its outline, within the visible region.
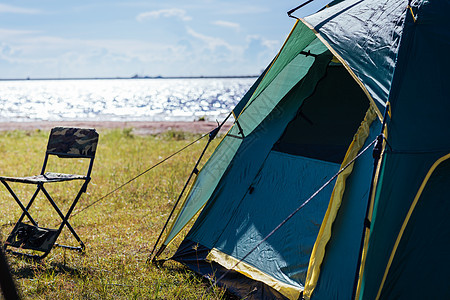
(120, 99)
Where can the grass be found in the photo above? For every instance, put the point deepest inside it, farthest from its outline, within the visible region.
(119, 231)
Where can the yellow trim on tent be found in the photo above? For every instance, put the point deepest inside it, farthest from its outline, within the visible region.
(388, 105)
(412, 13)
(324, 235)
(408, 216)
(347, 67)
(369, 217)
(229, 262)
(335, 60)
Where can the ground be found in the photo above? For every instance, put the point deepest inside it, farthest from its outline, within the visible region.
(139, 127)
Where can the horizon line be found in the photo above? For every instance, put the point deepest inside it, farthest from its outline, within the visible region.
(132, 77)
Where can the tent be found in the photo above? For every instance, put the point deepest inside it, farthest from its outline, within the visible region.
(356, 75)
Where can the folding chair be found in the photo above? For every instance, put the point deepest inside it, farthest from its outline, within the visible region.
(63, 143)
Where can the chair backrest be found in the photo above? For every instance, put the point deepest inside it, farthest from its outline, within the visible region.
(72, 142)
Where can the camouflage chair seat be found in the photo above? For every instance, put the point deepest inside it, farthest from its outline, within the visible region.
(63, 143)
(44, 178)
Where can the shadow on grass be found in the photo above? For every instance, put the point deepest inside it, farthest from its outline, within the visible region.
(29, 269)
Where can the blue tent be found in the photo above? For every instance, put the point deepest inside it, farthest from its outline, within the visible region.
(345, 75)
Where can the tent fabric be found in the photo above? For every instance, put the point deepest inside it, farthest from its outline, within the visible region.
(418, 135)
(366, 35)
(407, 259)
(299, 38)
(310, 134)
(341, 255)
(258, 175)
(325, 233)
(436, 182)
(278, 255)
(232, 199)
(280, 151)
(229, 262)
(243, 102)
(285, 80)
(204, 185)
(215, 166)
(194, 255)
(253, 114)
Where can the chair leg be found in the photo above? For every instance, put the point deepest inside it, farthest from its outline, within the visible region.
(19, 222)
(69, 212)
(24, 209)
(34, 237)
(65, 218)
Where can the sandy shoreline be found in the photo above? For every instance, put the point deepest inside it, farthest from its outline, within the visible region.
(139, 127)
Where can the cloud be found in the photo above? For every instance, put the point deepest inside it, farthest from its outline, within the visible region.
(39, 56)
(5, 8)
(242, 9)
(227, 24)
(27, 53)
(211, 42)
(7, 33)
(164, 13)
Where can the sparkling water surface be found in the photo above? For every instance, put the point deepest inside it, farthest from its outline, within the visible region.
(120, 99)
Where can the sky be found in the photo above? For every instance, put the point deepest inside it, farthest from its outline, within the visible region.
(112, 38)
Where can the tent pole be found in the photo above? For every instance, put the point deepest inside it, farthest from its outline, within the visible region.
(289, 13)
(195, 170)
(377, 150)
